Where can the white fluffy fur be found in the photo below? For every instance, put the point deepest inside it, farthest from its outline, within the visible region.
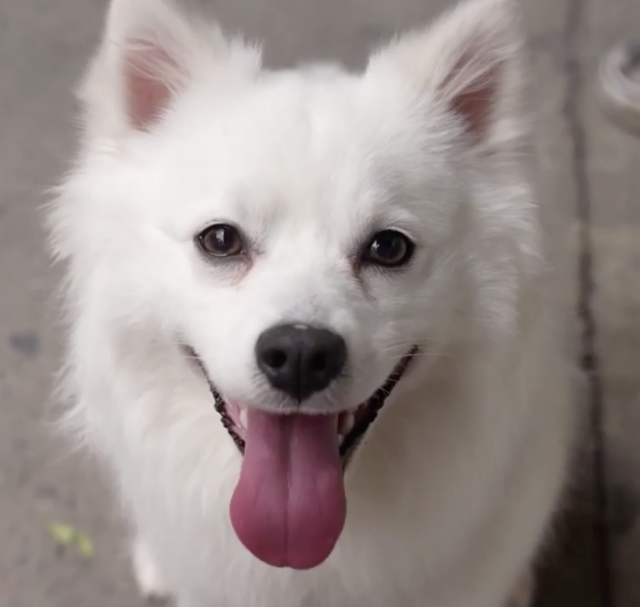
(451, 495)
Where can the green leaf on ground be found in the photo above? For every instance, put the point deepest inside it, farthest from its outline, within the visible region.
(85, 545)
(62, 533)
(66, 535)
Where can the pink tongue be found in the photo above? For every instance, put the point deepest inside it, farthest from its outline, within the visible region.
(289, 507)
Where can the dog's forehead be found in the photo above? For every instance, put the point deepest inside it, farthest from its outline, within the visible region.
(303, 125)
(308, 149)
(287, 138)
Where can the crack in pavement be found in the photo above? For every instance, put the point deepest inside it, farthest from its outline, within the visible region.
(575, 90)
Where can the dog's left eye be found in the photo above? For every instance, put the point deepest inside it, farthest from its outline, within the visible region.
(221, 240)
(388, 248)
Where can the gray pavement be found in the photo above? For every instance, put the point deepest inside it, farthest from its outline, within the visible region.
(589, 166)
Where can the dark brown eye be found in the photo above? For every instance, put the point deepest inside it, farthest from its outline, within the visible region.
(221, 240)
(388, 248)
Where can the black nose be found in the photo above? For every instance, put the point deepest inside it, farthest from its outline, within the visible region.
(300, 360)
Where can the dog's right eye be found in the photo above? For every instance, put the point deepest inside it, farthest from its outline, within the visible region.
(389, 248)
(221, 240)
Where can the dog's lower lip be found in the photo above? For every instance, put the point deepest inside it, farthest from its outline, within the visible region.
(356, 422)
(371, 407)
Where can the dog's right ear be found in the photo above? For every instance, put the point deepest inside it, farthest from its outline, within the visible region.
(468, 64)
(152, 52)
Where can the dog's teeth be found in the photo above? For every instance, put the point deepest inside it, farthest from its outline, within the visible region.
(347, 421)
(244, 418)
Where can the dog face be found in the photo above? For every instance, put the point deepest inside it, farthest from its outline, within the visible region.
(295, 206)
(232, 204)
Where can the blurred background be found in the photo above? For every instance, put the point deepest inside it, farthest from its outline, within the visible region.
(60, 545)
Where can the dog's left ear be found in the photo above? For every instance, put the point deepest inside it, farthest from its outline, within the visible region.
(468, 64)
(152, 52)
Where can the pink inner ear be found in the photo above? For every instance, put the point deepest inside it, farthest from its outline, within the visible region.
(147, 87)
(474, 103)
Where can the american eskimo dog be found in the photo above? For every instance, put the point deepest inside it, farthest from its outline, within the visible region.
(314, 334)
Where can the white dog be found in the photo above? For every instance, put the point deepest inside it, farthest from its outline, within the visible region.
(260, 262)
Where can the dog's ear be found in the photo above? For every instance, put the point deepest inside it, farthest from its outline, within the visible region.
(151, 53)
(469, 63)
(150, 42)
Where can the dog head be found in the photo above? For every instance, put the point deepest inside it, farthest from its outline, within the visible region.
(305, 233)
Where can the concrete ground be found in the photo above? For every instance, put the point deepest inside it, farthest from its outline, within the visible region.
(589, 165)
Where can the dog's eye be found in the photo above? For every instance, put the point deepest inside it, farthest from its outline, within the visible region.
(221, 240)
(388, 248)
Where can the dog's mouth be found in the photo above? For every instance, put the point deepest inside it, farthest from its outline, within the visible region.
(289, 505)
(351, 425)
